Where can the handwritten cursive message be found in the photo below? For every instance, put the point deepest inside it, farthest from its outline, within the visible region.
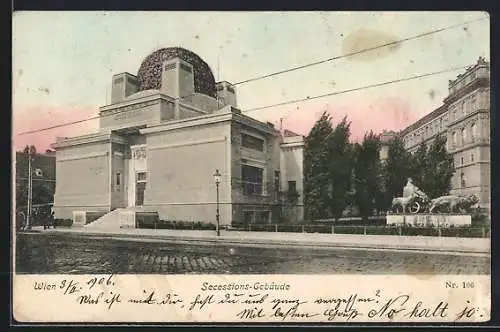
(263, 300)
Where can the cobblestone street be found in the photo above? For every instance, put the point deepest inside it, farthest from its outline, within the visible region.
(67, 253)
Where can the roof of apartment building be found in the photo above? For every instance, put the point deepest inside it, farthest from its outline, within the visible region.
(427, 118)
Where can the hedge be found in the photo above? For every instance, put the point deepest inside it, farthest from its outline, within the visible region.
(63, 222)
(407, 230)
(174, 224)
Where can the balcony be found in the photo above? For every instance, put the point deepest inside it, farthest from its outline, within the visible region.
(248, 188)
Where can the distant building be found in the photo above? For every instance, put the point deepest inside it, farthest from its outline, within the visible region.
(160, 141)
(464, 118)
(385, 138)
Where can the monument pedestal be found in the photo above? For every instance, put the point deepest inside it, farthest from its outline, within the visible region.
(429, 220)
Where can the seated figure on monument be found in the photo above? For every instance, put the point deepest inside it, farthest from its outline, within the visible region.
(411, 190)
(412, 197)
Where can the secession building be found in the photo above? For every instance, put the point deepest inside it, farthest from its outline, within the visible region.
(160, 141)
(464, 118)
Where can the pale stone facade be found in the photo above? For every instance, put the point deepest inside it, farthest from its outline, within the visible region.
(464, 118)
(157, 150)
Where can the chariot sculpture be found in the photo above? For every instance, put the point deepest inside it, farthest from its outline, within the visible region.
(416, 201)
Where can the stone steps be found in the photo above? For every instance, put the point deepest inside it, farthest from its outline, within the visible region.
(110, 220)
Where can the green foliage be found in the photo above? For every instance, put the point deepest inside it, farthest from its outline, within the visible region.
(395, 171)
(439, 169)
(432, 168)
(316, 169)
(340, 164)
(327, 168)
(367, 171)
(333, 166)
(28, 149)
(418, 165)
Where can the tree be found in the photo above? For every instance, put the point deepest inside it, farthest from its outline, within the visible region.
(439, 169)
(367, 174)
(30, 149)
(316, 169)
(42, 191)
(396, 170)
(418, 166)
(340, 163)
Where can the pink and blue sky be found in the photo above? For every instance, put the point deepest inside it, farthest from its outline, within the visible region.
(63, 63)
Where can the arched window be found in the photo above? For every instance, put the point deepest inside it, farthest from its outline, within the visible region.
(474, 130)
(473, 104)
(464, 135)
(454, 138)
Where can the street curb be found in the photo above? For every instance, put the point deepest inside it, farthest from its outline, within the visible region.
(273, 243)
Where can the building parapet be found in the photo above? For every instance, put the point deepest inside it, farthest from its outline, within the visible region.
(93, 138)
(226, 114)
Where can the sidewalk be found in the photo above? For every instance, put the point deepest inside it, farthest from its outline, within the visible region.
(302, 240)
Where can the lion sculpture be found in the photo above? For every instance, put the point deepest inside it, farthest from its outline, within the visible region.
(453, 203)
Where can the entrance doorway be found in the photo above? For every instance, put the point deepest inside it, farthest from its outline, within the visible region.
(137, 171)
(140, 186)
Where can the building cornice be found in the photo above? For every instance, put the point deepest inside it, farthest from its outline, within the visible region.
(188, 122)
(292, 145)
(251, 122)
(216, 117)
(477, 142)
(478, 83)
(425, 119)
(468, 117)
(132, 104)
(89, 139)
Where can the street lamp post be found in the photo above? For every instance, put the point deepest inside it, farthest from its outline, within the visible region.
(30, 191)
(217, 179)
(38, 173)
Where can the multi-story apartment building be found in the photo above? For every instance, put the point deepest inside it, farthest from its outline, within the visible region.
(464, 118)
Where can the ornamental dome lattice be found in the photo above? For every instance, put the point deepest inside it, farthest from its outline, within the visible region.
(149, 74)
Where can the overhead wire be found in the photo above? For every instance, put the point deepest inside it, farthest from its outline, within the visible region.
(294, 69)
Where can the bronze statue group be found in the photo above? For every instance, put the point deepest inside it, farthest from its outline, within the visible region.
(415, 201)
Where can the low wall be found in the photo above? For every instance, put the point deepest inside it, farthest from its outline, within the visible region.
(441, 220)
(204, 212)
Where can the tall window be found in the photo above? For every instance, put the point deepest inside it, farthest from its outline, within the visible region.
(292, 186)
(141, 177)
(252, 178)
(473, 104)
(252, 142)
(474, 130)
(464, 135)
(248, 216)
(462, 180)
(262, 216)
(118, 180)
(277, 182)
(454, 138)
